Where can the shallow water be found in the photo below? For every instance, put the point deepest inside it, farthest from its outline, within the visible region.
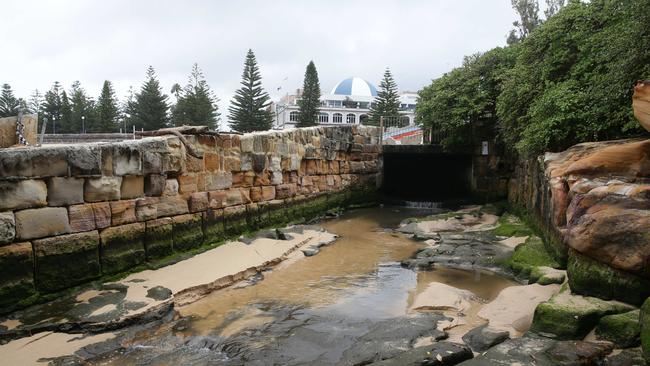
(356, 280)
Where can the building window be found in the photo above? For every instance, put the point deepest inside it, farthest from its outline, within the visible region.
(404, 121)
(323, 117)
(363, 119)
(293, 116)
(337, 118)
(350, 118)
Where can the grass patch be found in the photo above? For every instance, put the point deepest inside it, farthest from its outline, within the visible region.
(511, 225)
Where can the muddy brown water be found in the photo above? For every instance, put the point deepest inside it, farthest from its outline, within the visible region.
(356, 279)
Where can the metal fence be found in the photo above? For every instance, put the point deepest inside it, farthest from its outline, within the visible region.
(396, 130)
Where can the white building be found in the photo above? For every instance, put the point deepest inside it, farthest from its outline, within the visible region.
(348, 103)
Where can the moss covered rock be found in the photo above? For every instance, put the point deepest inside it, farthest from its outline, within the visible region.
(570, 316)
(621, 329)
(159, 241)
(213, 226)
(592, 278)
(122, 247)
(188, 231)
(529, 256)
(17, 274)
(547, 275)
(511, 225)
(644, 320)
(66, 260)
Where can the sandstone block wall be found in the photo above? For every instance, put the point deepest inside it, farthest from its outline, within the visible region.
(8, 130)
(69, 214)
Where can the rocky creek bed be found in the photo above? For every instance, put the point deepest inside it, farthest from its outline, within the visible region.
(397, 287)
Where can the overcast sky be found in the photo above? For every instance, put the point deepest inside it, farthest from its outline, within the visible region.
(91, 41)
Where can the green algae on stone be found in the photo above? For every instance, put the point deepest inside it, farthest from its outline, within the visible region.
(66, 260)
(592, 278)
(644, 321)
(530, 255)
(187, 232)
(570, 316)
(546, 275)
(17, 274)
(122, 247)
(621, 329)
(159, 241)
(511, 225)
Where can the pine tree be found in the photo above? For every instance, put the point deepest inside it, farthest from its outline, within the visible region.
(249, 108)
(129, 111)
(66, 111)
(552, 7)
(150, 107)
(310, 101)
(52, 108)
(82, 117)
(9, 104)
(35, 103)
(196, 104)
(107, 111)
(387, 102)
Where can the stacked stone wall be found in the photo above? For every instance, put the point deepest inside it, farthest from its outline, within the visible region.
(70, 214)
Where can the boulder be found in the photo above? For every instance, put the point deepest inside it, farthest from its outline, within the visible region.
(630, 159)
(593, 278)
(482, 338)
(569, 353)
(159, 238)
(570, 316)
(65, 191)
(644, 320)
(641, 103)
(122, 247)
(621, 329)
(102, 189)
(437, 354)
(22, 194)
(66, 260)
(17, 275)
(7, 227)
(41, 222)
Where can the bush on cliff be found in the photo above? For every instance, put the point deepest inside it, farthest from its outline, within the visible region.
(569, 81)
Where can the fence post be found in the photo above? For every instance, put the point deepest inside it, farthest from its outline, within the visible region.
(381, 130)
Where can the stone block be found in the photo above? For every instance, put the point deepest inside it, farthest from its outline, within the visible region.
(644, 322)
(285, 191)
(216, 199)
(102, 212)
(356, 167)
(212, 161)
(246, 143)
(259, 162)
(127, 159)
(246, 161)
(123, 212)
(154, 185)
(122, 247)
(7, 227)
(107, 160)
(17, 275)
(268, 193)
(171, 187)
(198, 202)
(262, 178)
(234, 197)
(159, 238)
(65, 191)
(172, 206)
(213, 226)
(235, 221)
(232, 164)
(218, 180)
(152, 162)
(41, 222)
(84, 160)
(82, 218)
(276, 177)
(22, 194)
(188, 231)
(187, 183)
(102, 189)
(256, 194)
(67, 260)
(132, 187)
(146, 208)
(41, 162)
(193, 164)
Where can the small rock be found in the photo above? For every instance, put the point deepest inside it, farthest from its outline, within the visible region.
(482, 338)
(159, 293)
(579, 352)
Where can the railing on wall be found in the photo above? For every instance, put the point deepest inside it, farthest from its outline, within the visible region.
(396, 130)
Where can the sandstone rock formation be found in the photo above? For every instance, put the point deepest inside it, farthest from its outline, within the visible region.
(641, 103)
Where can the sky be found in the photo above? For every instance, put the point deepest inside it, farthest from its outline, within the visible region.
(93, 41)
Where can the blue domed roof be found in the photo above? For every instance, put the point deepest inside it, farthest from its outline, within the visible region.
(355, 86)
